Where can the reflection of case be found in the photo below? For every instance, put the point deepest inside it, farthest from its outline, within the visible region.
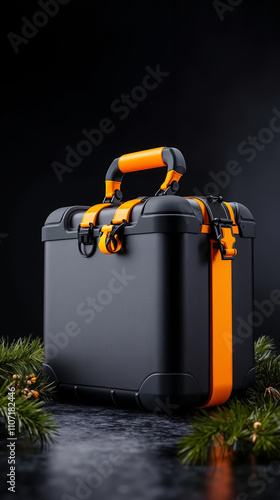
(157, 314)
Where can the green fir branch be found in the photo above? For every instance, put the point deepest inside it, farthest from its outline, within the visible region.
(45, 388)
(21, 356)
(267, 364)
(240, 427)
(230, 429)
(31, 419)
(21, 368)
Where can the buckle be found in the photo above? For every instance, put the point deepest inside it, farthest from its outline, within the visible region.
(85, 238)
(225, 238)
(111, 240)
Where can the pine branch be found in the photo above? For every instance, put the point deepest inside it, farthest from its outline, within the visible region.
(18, 362)
(241, 427)
(237, 428)
(45, 388)
(23, 355)
(267, 364)
(263, 347)
(30, 418)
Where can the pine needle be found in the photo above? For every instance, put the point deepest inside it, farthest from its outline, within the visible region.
(240, 427)
(23, 355)
(267, 364)
(21, 368)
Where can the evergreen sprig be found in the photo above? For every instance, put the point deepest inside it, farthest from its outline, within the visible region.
(240, 427)
(267, 364)
(31, 419)
(23, 355)
(237, 428)
(21, 369)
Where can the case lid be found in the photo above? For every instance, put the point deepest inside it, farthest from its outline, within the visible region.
(154, 215)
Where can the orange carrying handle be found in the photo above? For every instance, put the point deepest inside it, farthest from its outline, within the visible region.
(171, 158)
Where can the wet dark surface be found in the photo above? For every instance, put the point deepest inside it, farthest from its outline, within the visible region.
(105, 453)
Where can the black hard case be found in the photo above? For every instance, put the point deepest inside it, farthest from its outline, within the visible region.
(133, 328)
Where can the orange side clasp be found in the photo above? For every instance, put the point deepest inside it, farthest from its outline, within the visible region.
(111, 241)
(225, 238)
(228, 242)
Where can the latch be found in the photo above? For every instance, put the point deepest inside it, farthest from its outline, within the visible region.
(225, 238)
(111, 240)
(86, 238)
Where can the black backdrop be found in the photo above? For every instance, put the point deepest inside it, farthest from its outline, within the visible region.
(219, 91)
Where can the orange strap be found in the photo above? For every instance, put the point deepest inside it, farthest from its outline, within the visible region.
(206, 228)
(123, 212)
(220, 328)
(221, 374)
(91, 214)
(106, 245)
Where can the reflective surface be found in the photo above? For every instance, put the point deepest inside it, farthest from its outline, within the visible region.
(105, 453)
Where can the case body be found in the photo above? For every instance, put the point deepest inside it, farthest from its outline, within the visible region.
(133, 328)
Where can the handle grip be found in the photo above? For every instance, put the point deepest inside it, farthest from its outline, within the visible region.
(171, 158)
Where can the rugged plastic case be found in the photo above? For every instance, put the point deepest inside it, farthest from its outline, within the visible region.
(132, 329)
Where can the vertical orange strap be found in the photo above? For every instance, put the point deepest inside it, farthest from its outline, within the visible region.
(221, 374)
(220, 328)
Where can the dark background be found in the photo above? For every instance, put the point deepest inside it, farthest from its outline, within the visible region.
(224, 82)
